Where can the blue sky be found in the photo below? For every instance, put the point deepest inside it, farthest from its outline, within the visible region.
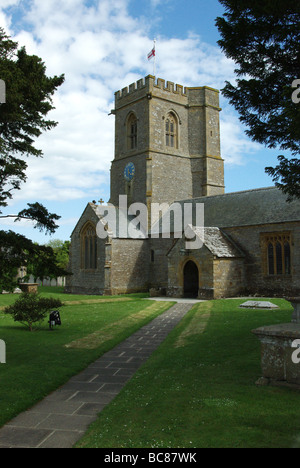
(102, 46)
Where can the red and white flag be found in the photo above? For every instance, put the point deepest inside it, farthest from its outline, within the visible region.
(151, 54)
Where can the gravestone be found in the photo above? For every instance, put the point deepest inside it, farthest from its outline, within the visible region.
(2, 352)
(258, 305)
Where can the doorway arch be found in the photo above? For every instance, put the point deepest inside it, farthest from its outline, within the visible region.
(190, 279)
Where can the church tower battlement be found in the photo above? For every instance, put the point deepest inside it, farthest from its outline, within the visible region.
(167, 143)
(147, 84)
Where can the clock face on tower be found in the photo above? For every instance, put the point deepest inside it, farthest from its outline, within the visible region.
(129, 172)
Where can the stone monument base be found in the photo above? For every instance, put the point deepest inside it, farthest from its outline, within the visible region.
(277, 351)
(29, 287)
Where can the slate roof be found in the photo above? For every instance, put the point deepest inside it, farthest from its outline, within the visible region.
(219, 244)
(251, 207)
(216, 241)
(237, 209)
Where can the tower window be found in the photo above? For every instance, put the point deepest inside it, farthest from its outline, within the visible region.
(171, 131)
(89, 248)
(132, 132)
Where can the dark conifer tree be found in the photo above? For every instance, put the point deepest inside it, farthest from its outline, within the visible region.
(23, 118)
(262, 37)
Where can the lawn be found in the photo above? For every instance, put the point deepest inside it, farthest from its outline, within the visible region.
(198, 389)
(39, 362)
(58, 292)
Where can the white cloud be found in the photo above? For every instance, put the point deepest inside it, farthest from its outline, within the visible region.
(101, 49)
(155, 3)
(234, 143)
(9, 223)
(192, 62)
(8, 3)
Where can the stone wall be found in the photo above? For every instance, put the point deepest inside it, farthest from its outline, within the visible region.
(229, 277)
(249, 238)
(86, 281)
(130, 266)
(158, 268)
(118, 183)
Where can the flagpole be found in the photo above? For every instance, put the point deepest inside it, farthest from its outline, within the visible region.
(154, 63)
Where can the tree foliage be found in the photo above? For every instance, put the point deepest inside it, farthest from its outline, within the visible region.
(23, 118)
(263, 39)
(61, 250)
(49, 261)
(30, 308)
(41, 261)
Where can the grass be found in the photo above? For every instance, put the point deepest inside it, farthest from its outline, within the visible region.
(58, 292)
(198, 389)
(39, 362)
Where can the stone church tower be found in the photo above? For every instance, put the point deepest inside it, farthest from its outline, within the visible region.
(167, 143)
(167, 149)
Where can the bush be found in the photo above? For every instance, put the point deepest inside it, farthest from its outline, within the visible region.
(30, 308)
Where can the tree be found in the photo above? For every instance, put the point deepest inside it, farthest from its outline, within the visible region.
(30, 309)
(29, 94)
(61, 250)
(23, 117)
(16, 250)
(263, 39)
(49, 261)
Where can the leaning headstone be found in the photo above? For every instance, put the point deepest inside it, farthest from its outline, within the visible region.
(259, 305)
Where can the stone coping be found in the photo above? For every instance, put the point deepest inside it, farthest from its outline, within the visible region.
(27, 284)
(293, 299)
(282, 330)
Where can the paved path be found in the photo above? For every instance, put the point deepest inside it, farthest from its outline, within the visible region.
(62, 418)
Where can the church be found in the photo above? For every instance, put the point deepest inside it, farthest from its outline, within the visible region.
(167, 154)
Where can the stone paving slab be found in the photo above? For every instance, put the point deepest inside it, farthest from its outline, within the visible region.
(63, 417)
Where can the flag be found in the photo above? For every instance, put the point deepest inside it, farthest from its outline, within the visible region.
(151, 54)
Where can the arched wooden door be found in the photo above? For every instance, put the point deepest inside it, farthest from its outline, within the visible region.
(191, 279)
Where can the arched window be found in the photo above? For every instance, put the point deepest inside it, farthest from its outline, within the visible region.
(279, 263)
(287, 258)
(278, 248)
(171, 131)
(132, 132)
(89, 247)
(271, 268)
